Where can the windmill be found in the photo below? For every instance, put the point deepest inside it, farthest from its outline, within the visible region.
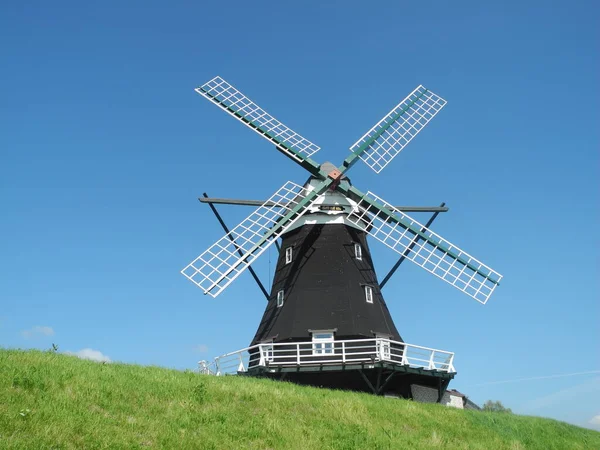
(326, 322)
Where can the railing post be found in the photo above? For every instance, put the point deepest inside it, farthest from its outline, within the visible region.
(298, 353)
(261, 361)
(241, 366)
(343, 351)
(217, 367)
(431, 360)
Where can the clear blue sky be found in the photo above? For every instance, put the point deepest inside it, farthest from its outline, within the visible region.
(105, 147)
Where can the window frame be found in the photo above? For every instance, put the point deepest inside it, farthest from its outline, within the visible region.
(280, 298)
(322, 346)
(267, 352)
(384, 347)
(289, 255)
(358, 251)
(369, 295)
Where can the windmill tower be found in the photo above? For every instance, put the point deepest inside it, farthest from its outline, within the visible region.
(326, 322)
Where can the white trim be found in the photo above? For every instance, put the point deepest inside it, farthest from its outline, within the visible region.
(358, 251)
(289, 254)
(325, 219)
(368, 293)
(328, 198)
(280, 298)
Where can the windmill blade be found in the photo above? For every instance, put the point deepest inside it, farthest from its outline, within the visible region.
(228, 98)
(430, 251)
(227, 258)
(391, 134)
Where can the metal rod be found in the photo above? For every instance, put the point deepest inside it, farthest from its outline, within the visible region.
(410, 247)
(252, 272)
(233, 201)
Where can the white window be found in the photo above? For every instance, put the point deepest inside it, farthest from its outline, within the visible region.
(383, 347)
(288, 255)
(322, 342)
(267, 352)
(369, 294)
(358, 252)
(280, 299)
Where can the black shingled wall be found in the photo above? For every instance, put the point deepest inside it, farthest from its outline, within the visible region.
(323, 288)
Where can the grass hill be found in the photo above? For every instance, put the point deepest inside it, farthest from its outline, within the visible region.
(53, 401)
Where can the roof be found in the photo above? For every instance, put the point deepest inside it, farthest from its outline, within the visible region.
(455, 393)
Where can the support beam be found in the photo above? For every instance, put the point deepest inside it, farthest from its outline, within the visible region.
(410, 247)
(240, 202)
(379, 372)
(442, 386)
(378, 384)
(252, 272)
(385, 383)
(368, 382)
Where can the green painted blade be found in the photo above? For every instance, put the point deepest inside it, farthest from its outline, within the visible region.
(228, 98)
(431, 252)
(222, 262)
(391, 134)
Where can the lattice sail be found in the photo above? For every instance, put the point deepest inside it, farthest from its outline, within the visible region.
(228, 98)
(392, 133)
(222, 263)
(430, 251)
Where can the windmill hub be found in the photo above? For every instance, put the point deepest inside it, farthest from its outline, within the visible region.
(326, 322)
(336, 176)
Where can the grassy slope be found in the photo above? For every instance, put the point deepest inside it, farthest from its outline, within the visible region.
(82, 404)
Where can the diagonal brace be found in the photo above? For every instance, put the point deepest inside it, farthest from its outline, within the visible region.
(410, 247)
(385, 382)
(368, 381)
(375, 207)
(282, 222)
(252, 272)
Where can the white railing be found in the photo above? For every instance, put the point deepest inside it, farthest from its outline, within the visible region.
(293, 354)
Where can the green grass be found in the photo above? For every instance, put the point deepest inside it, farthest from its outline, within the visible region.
(53, 401)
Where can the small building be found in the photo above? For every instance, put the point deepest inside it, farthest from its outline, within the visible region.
(451, 397)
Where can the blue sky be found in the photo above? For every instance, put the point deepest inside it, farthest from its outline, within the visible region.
(105, 147)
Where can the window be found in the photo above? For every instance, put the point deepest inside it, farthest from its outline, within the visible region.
(369, 294)
(267, 352)
(358, 252)
(280, 299)
(322, 342)
(383, 347)
(288, 255)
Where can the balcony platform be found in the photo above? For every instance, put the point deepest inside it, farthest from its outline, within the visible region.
(378, 378)
(379, 366)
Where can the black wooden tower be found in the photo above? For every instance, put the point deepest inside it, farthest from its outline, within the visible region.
(325, 280)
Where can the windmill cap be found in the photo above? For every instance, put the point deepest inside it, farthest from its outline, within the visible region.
(328, 167)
